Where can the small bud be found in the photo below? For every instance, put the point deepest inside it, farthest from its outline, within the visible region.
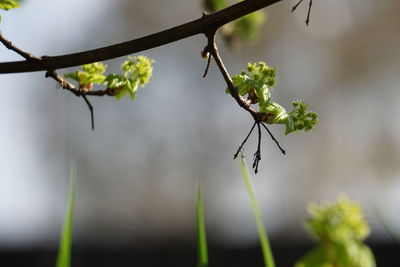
(86, 87)
(205, 54)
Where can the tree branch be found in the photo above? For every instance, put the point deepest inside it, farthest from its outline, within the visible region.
(198, 26)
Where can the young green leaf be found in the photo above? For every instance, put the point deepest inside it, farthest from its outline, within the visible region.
(64, 250)
(89, 75)
(265, 247)
(202, 254)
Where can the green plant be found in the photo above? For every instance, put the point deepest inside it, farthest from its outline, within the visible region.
(339, 229)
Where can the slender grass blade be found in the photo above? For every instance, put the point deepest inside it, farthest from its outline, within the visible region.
(265, 247)
(202, 253)
(64, 250)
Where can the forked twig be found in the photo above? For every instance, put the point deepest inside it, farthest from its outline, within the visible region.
(53, 74)
(213, 50)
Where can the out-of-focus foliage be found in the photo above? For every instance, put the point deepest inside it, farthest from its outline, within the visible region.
(245, 28)
(202, 251)
(256, 82)
(262, 233)
(8, 4)
(137, 72)
(339, 229)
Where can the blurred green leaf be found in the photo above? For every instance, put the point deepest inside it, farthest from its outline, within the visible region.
(202, 254)
(64, 250)
(8, 4)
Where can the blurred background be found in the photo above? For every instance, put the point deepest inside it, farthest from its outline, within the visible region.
(137, 171)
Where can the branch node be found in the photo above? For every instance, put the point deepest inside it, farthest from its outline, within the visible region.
(208, 56)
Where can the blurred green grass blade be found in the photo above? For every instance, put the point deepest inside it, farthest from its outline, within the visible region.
(202, 254)
(265, 247)
(64, 250)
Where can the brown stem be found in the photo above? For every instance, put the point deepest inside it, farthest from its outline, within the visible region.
(231, 87)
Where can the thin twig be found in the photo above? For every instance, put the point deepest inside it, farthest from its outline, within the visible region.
(257, 155)
(208, 65)
(63, 82)
(244, 141)
(90, 109)
(296, 5)
(7, 43)
(273, 138)
(309, 12)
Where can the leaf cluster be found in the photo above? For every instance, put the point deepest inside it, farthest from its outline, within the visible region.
(137, 71)
(256, 82)
(339, 229)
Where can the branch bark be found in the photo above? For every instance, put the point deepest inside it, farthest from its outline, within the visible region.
(203, 25)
